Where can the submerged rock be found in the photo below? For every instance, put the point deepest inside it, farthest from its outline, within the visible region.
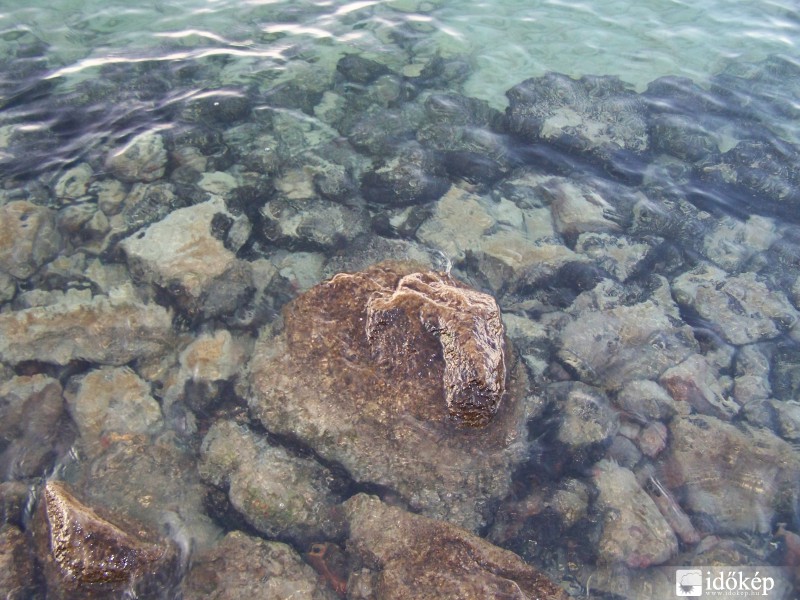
(111, 400)
(401, 377)
(596, 115)
(88, 556)
(697, 382)
(111, 330)
(616, 340)
(279, 494)
(28, 238)
(17, 578)
(240, 567)
(405, 556)
(634, 532)
(311, 223)
(584, 426)
(739, 479)
(759, 176)
(411, 176)
(182, 255)
(31, 408)
(740, 308)
(144, 158)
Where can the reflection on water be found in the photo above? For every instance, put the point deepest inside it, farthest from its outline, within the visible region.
(622, 180)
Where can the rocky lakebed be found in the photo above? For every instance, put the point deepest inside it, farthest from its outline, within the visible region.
(348, 333)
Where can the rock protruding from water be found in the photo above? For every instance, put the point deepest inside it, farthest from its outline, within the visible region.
(399, 375)
(86, 556)
(405, 556)
(468, 325)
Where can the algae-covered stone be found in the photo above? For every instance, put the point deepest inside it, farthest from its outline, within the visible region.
(400, 376)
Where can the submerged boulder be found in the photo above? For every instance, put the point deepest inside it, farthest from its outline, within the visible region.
(596, 116)
(401, 376)
(411, 176)
(28, 238)
(406, 556)
(109, 330)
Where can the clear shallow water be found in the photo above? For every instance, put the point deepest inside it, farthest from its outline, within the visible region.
(78, 80)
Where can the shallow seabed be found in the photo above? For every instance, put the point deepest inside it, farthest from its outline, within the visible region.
(623, 178)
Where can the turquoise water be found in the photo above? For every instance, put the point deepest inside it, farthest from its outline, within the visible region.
(78, 80)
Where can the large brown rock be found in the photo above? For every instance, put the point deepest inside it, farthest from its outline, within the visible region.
(467, 325)
(401, 376)
(87, 556)
(405, 556)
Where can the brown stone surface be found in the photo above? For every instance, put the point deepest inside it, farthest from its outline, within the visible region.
(468, 327)
(391, 372)
(87, 556)
(413, 557)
